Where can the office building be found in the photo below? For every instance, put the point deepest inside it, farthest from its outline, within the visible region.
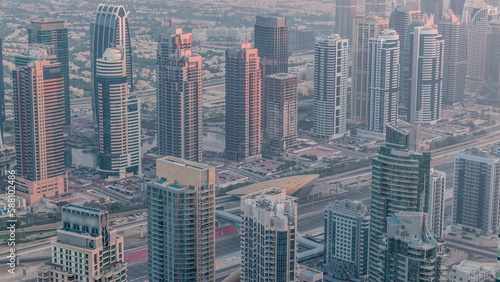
(492, 78)
(365, 27)
(345, 12)
(86, 249)
(110, 29)
(468, 270)
(331, 78)
(179, 97)
(435, 8)
(427, 53)
(400, 182)
(475, 192)
(38, 96)
(401, 18)
(243, 104)
(307, 274)
(269, 236)
(376, 7)
(413, 253)
(346, 240)
(384, 83)
(54, 33)
(300, 39)
(477, 14)
(181, 221)
(454, 32)
(280, 130)
(436, 202)
(457, 6)
(118, 112)
(271, 39)
(2, 95)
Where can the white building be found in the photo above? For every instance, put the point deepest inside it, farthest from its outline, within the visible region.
(268, 236)
(436, 202)
(331, 75)
(346, 239)
(470, 271)
(384, 85)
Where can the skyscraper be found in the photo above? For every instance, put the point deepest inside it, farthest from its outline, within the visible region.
(457, 6)
(331, 74)
(384, 82)
(436, 202)
(86, 249)
(475, 191)
(110, 29)
(375, 7)
(400, 182)
(477, 15)
(179, 97)
(492, 73)
(365, 27)
(434, 7)
(2, 95)
(118, 113)
(54, 33)
(413, 252)
(39, 126)
(346, 239)
(181, 221)
(271, 39)
(427, 53)
(345, 12)
(268, 236)
(243, 104)
(454, 34)
(280, 130)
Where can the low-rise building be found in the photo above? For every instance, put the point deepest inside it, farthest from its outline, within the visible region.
(470, 271)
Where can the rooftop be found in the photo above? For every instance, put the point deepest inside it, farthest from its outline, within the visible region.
(291, 184)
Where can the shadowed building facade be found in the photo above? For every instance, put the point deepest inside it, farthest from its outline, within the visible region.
(54, 33)
(271, 39)
(345, 12)
(39, 126)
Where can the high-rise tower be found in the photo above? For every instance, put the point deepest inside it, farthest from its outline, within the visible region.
(243, 103)
(400, 182)
(269, 236)
(271, 39)
(39, 126)
(280, 129)
(118, 113)
(454, 34)
(365, 27)
(375, 7)
(181, 221)
(427, 64)
(384, 82)
(492, 78)
(179, 97)
(110, 29)
(331, 74)
(86, 249)
(345, 12)
(54, 33)
(477, 15)
(2, 95)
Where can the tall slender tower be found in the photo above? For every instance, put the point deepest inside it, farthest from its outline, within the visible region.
(492, 79)
(39, 125)
(118, 114)
(345, 12)
(110, 29)
(375, 7)
(86, 249)
(243, 103)
(454, 34)
(280, 129)
(436, 202)
(365, 27)
(2, 95)
(271, 39)
(434, 7)
(268, 236)
(477, 14)
(181, 221)
(427, 53)
(384, 82)
(331, 74)
(409, 191)
(179, 97)
(54, 33)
